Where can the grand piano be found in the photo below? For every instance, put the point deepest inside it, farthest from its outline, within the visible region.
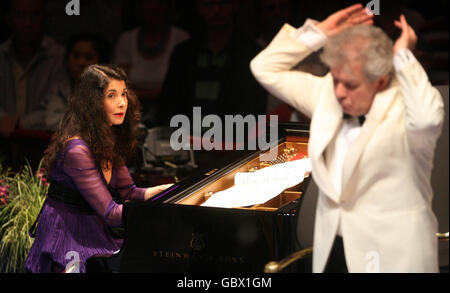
(172, 232)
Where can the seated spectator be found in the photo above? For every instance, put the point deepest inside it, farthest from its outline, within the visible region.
(29, 63)
(272, 15)
(211, 70)
(82, 50)
(144, 52)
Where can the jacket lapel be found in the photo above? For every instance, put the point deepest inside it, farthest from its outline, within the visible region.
(324, 129)
(377, 112)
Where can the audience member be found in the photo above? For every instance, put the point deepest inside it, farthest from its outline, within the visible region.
(144, 52)
(82, 50)
(211, 69)
(272, 15)
(29, 63)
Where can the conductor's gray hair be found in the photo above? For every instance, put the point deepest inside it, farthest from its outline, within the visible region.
(363, 43)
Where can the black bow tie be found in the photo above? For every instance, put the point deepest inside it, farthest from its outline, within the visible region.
(361, 119)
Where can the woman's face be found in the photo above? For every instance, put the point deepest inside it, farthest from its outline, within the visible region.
(82, 55)
(116, 102)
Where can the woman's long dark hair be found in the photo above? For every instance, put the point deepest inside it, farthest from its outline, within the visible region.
(85, 117)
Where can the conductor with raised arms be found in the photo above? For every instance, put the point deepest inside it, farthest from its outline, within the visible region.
(375, 120)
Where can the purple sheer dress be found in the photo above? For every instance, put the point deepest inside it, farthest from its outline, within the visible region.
(63, 229)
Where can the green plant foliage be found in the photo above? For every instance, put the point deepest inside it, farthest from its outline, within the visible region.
(25, 195)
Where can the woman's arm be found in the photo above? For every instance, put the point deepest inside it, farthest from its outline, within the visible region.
(80, 166)
(124, 184)
(152, 191)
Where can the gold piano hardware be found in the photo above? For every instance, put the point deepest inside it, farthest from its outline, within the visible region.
(442, 236)
(286, 154)
(169, 164)
(288, 149)
(211, 172)
(278, 266)
(208, 195)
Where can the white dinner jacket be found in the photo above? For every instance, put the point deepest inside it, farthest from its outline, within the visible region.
(387, 222)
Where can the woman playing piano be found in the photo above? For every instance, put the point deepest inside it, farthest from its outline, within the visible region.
(86, 164)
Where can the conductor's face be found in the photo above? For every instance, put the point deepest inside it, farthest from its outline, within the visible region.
(116, 102)
(353, 91)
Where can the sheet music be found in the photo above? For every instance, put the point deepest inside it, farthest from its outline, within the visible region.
(251, 188)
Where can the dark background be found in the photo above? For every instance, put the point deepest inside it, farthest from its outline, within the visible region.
(428, 18)
(121, 13)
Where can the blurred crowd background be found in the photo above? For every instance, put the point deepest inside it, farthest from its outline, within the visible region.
(178, 54)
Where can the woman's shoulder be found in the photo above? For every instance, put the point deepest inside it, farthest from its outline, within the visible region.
(73, 150)
(76, 151)
(75, 144)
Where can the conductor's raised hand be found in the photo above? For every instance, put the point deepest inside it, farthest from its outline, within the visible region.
(344, 18)
(408, 38)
